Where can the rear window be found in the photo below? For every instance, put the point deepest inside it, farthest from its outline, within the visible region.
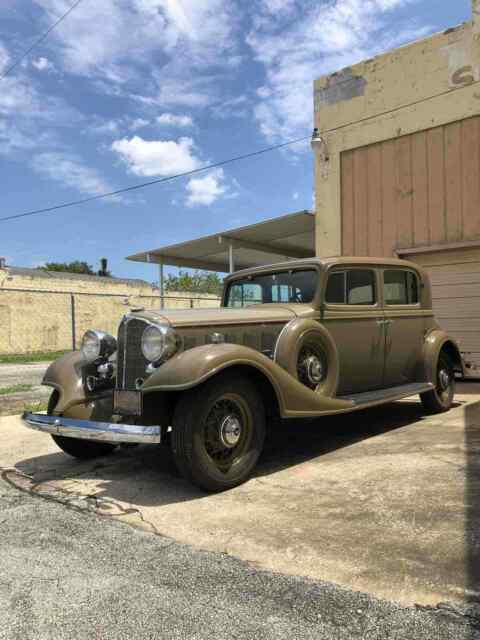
(400, 287)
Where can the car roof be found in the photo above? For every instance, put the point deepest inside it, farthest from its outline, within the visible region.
(326, 263)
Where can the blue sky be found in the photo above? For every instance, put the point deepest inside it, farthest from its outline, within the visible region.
(124, 91)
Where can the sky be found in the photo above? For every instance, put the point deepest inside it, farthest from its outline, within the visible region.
(126, 91)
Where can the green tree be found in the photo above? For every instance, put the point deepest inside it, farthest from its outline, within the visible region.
(196, 282)
(77, 266)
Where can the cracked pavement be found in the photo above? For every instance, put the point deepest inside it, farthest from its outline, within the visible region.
(68, 573)
(385, 503)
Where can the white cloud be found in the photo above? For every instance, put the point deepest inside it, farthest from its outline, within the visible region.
(307, 40)
(71, 172)
(204, 191)
(4, 58)
(295, 195)
(43, 64)
(189, 35)
(138, 123)
(236, 107)
(157, 157)
(172, 120)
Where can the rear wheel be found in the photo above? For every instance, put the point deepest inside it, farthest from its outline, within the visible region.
(81, 449)
(440, 399)
(218, 433)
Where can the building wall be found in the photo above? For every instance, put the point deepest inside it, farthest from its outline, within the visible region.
(417, 88)
(416, 190)
(36, 312)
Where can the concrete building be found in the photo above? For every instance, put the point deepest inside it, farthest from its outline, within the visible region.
(398, 166)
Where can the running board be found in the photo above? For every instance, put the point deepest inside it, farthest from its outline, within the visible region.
(387, 395)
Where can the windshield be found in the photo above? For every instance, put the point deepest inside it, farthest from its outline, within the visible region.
(282, 286)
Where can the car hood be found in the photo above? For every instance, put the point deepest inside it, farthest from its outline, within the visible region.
(215, 316)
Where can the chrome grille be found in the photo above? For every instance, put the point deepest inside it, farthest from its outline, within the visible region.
(130, 361)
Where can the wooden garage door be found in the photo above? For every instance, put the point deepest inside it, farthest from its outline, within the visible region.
(455, 277)
(418, 189)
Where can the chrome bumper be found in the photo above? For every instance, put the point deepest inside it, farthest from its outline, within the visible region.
(89, 430)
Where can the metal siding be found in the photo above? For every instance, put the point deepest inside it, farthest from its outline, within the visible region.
(455, 278)
(423, 187)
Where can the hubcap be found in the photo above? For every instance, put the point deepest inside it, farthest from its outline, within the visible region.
(444, 379)
(230, 431)
(312, 366)
(314, 369)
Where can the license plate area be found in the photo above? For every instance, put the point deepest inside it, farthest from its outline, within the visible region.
(127, 403)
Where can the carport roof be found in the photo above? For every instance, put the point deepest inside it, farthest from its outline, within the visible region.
(286, 237)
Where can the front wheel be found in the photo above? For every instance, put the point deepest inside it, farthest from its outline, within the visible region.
(75, 447)
(218, 433)
(440, 399)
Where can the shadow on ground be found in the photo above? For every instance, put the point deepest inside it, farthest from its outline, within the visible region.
(151, 468)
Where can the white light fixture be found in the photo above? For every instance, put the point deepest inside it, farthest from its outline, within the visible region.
(319, 145)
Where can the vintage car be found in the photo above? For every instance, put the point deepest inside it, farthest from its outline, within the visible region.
(300, 339)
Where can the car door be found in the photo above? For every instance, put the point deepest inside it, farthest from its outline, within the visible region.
(353, 315)
(404, 326)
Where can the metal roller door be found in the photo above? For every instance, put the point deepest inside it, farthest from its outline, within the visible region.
(455, 277)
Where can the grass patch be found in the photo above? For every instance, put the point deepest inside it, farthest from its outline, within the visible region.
(15, 388)
(25, 358)
(35, 407)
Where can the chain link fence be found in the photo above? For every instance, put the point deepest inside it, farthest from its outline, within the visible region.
(36, 320)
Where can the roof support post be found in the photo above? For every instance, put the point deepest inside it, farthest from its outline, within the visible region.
(161, 284)
(231, 258)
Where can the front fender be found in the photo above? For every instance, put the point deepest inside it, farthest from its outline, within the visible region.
(194, 366)
(66, 376)
(435, 341)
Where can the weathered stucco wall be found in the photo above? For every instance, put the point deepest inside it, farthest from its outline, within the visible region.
(33, 320)
(429, 83)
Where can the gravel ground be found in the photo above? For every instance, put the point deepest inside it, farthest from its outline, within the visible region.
(67, 573)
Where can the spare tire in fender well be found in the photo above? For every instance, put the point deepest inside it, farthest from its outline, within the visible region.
(293, 337)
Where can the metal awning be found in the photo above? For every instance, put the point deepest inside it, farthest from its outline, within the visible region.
(286, 237)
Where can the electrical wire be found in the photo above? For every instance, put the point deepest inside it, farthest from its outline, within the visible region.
(152, 182)
(39, 41)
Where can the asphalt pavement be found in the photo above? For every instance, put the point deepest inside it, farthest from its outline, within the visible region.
(69, 573)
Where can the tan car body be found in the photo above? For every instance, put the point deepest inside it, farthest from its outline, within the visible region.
(355, 338)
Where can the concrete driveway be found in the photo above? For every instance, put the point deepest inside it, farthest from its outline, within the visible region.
(384, 501)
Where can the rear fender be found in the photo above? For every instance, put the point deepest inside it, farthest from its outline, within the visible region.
(194, 366)
(66, 376)
(436, 341)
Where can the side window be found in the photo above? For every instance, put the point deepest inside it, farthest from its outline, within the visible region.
(335, 293)
(361, 287)
(400, 287)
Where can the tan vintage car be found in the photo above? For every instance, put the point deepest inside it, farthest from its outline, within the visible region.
(300, 339)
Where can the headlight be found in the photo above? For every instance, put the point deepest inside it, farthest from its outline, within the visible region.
(158, 343)
(97, 344)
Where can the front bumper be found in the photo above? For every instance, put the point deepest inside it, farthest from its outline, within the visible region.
(89, 430)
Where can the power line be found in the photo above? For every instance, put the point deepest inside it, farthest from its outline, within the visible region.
(37, 42)
(152, 182)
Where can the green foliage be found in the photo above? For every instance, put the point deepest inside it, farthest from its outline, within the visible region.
(15, 388)
(77, 266)
(196, 282)
(26, 358)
